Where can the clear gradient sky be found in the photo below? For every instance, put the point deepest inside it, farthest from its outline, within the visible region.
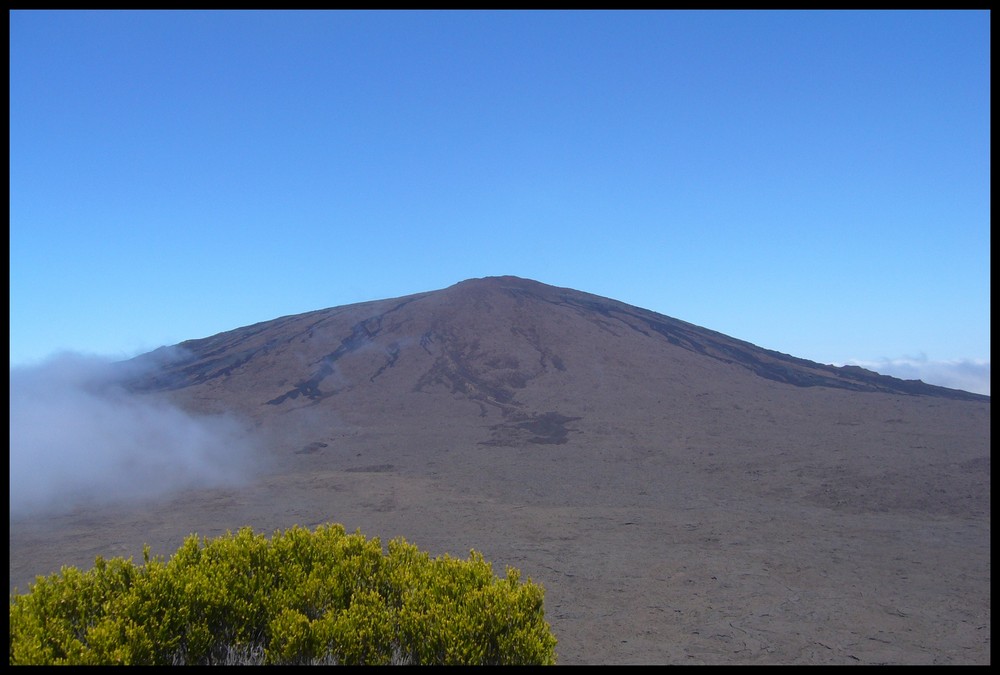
(813, 182)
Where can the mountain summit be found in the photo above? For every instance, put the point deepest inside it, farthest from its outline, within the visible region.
(499, 347)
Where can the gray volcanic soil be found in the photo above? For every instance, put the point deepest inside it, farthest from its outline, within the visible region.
(682, 496)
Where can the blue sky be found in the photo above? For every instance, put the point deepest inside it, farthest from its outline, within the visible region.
(812, 182)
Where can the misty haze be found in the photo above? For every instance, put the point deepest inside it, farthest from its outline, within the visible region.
(77, 437)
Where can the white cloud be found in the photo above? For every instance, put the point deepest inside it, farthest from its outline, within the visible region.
(77, 436)
(965, 374)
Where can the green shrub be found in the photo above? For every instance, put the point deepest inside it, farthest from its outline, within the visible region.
(301, 597)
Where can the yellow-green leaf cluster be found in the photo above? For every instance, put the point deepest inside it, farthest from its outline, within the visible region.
(322, 596)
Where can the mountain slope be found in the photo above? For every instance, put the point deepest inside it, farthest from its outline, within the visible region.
(485, 340)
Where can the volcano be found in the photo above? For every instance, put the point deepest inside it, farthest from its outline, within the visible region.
(683, 496)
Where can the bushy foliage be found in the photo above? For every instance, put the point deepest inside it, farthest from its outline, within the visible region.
(322, 596)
